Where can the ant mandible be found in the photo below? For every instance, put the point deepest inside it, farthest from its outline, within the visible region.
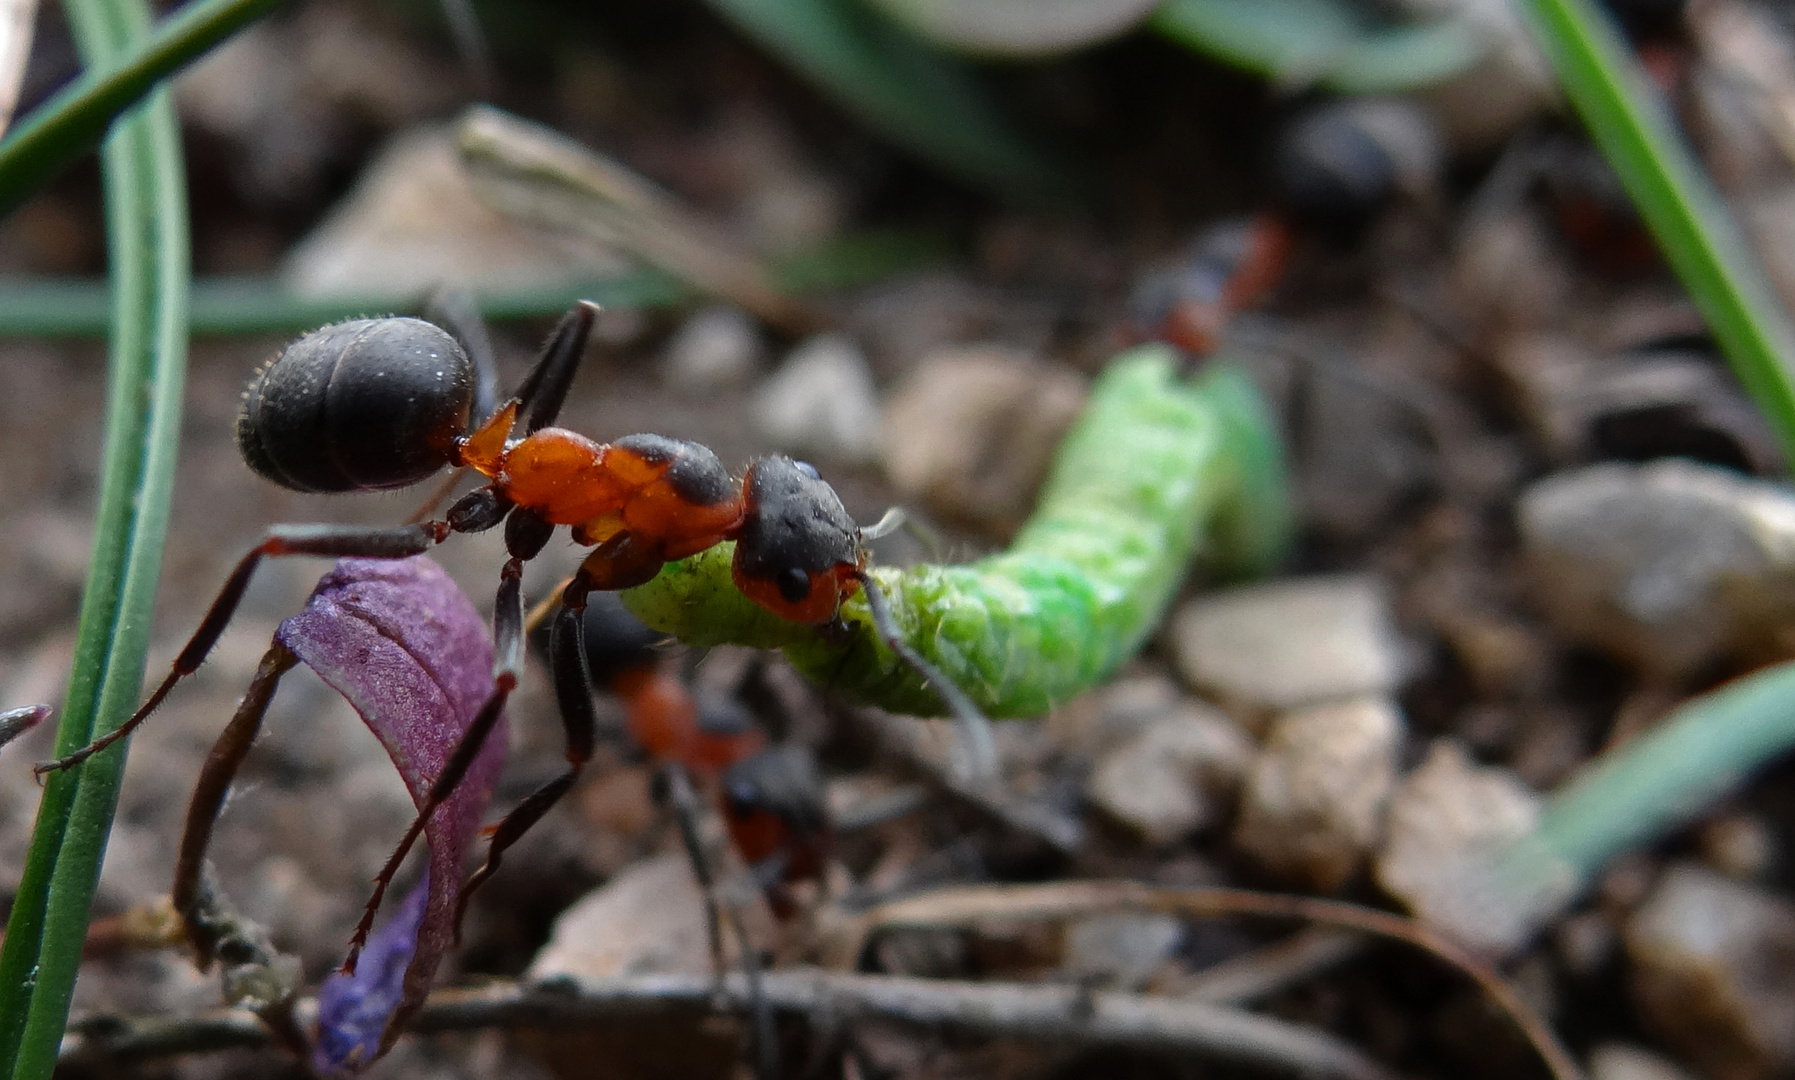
(374, 404)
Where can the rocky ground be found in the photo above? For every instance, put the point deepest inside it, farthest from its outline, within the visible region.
(1535, 513)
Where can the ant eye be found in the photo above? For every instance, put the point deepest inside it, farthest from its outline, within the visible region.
(794, 584)
(743, 796)
(808, 469)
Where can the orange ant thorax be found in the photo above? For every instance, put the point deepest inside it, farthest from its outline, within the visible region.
(671, 494)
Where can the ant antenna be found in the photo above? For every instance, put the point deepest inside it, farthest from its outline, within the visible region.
(895, 518)
(977, 757)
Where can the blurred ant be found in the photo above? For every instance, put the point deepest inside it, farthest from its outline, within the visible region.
(770, 797)
(1332, 168)
(375, 404)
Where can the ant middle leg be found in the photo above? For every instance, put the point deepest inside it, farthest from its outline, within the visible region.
(579, 721)
(331, 541)
(677, 784)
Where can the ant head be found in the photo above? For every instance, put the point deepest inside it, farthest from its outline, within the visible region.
(782, 781)
(358, 405)
(798, 552)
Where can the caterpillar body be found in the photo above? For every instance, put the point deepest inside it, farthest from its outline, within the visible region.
(1156, 472)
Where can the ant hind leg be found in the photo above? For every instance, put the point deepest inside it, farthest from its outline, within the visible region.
(209, 791)
(331, 541)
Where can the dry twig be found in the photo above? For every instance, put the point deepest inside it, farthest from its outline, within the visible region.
(1076, 899)
(1064, 1015)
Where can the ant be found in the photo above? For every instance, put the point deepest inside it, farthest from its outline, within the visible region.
(386, 403)
(770, 797)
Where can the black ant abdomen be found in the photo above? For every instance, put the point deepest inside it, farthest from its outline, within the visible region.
(359, 405)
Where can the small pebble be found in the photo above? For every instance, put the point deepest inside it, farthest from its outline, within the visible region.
(1448, 819)
(1619, 1061)
(414, 223)
(1711, 959)
(971, 432)
(1178, 775)
(1740, 846)
(717, 349)
(1121, 951)
(1313, 804)
(821, 401)
(1364, 455)
(649, 918)
(1671, 565)
(1291, 643)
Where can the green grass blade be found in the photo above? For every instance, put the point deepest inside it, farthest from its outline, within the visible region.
(1324, 42)
(921, 99)
(75, 119)
(81, 307)
(1660, 780)
(1628, 120)
(1652, 785)
(147, 229)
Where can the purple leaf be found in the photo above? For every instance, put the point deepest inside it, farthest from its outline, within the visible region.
(353, 1010)
(400, 641)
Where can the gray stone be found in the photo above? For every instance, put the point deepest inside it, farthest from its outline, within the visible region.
(1670, 565)
(821, 401)
(1287, 644)
(1634, 405)
(1711, 962)
(1121, 950)
(1619, 1061)
(1178, 775)
(1364, 455)
(1447, 822)
(1313, 804)
(971, 431)
(1738, 845)
(414, 223)
(649, 918)
(717, 349)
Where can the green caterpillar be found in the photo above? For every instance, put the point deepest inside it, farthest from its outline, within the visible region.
(1157, 471)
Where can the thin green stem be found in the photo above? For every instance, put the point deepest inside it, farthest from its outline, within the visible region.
(1628, 120)
(146, 214)
(75, 119)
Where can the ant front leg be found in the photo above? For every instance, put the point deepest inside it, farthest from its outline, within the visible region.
(525, 536)
(543, 391)
(579, 721)
(331, 541)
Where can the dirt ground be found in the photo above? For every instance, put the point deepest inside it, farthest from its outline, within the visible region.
(1418, 361)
